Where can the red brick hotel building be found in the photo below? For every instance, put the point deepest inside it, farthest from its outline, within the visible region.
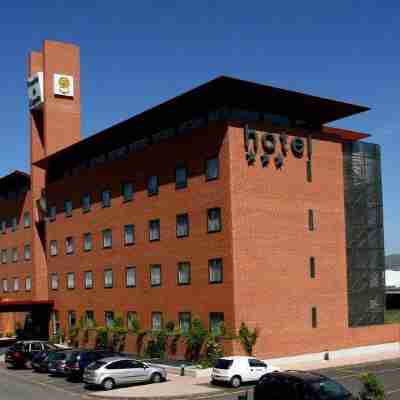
(231, 202)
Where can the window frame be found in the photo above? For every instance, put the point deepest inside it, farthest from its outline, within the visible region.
(152, 267)
(103, 233)
(112, 278)
(92, 279)
(127, 269)
(69, 274)
(180, 314)
(28, 279)
(90, 236)
(124, 198)
(67, 213)
(187, 225)
(51, 247)
(157, 191)
(214, 314)
(154, 313)
(209, 211)
(209, 179)
(88, 208)
(26, 219)
(109, 312)
(210, 261)
(14, 252)
(181, 264)
(133, 235)
(159, 230)
(72, 246)
(52, 213)
(52, 275)
(27, 255)
(182, 185)
(105, 204)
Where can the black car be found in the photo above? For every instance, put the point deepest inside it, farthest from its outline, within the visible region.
(22, 353)
(41, 361)
(299, 385)
(77, 361)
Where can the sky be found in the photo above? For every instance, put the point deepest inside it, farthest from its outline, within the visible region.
(136, 54)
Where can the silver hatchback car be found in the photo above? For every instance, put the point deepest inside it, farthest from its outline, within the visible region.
(113, 371)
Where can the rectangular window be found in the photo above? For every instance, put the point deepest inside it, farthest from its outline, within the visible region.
(14, 224)
(155, 275)
(314, 317)
(106, 198)
(69, 245)
(14, 255)
(154, 230)
(27, 252)
(127, 191)
(3, 226)
(152, 185)
(109, 318)
(16, 284)
(182, 225)
(51, 213)
(53, 247)
(183, 273)
(86, 203)
(71, 319)
(4, 256)
(309, 171)
(108, 278)
(27, 219)
(311, 220)
(180, 177)
(5, 285)
(88, 280)
(89, 318)
(129, 235)
(185, 321)
(107, 238)
(215, 270)
(71, 280)
(68, 208)
(214, 220)
(54, 281)
(312, 267)
(87, 241)
(212, 169)
(130, 277)
(131, 320)
(28, 283)
(216, 322)
(156, 321)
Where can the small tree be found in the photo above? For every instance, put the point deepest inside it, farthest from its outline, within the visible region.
(372, 388)
(119, 332)
(102, 336)
(248, 338)
(157, 344)
(195, 339)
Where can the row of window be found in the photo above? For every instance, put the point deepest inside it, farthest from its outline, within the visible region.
(128, 189)
(15, 285)
(12, 255)
(13, 223)
(214, 224)
(215, 275)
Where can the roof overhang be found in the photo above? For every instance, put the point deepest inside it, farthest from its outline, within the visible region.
(7, 305)
(15, 180)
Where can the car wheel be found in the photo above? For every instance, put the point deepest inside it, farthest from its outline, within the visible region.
(214, 382)
(108, 384)
(236, 381)
(156, 378)
(28, 364)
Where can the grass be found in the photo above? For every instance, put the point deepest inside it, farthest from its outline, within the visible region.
(392, 316)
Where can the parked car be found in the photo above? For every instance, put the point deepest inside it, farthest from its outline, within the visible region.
(114, 371)
(77, 361)
(21, 353)
(56, 364)
(41, 361)
(299, 385)
(238, 369)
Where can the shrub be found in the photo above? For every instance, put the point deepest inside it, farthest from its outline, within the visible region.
(176, 335)
(372, 388)
(157, 344)
(195, 339)
(248, 338)
(119, 332)
(102, 336)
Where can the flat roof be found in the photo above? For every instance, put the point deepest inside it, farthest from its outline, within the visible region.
(219, 92)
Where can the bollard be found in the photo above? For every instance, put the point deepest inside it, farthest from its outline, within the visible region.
(326, 355)
(182, 369)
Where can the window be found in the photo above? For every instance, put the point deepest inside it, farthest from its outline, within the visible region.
(16, 284)
(215, 270)
(216, 321)
(156, 321)
(127, 191)
(86, 203)
(106, 198)
(185, 320)
(27, 219)
(88, 280)
(68, 207)
(53, 247)
(108, 278)
(89, 318)
(69, 245)
(52, 213)
(71, 280)
(14, 224)
(152, 185)
(109, 318)
(3, 226)
(4, 256)
(54, 281)
(182, 225)
(214, 220)
(107, 238)
(131, 320)
(314, 317)
(312, 267)
(28, 283)
(27, 252)
(212, 169)
(130, 277)
(5, 285)
(14, 255)
(129, 235)
(154, 230)
(155, 275)
(180, 177)
(55, 322)
(71, 319)
(183, 273)
(311, 220)
(309, 171)
(87, 241)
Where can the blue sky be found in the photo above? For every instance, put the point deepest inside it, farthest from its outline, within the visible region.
(135, 54)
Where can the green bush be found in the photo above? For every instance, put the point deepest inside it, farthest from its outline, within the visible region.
(372, 388)
(102, 336)
(119, 333)
(9, 334)
(195, 338)
(157, 344)
(248, 338)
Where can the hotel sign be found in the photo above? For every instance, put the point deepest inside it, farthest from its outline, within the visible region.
(35, 91)
(63, 85)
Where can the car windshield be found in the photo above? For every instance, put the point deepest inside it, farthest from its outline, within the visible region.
(223, 364)
(329, 390)
(96, 365)
(17, 347)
